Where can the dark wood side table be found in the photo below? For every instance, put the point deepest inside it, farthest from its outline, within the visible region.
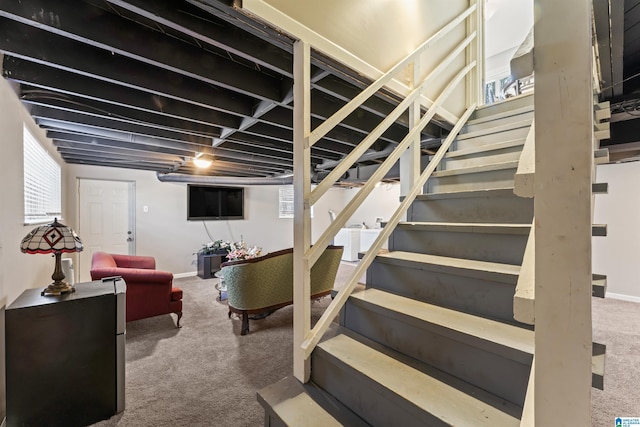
(208, 264)
(65, 355)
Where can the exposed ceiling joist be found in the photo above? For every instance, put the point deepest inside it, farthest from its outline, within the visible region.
(148, 85)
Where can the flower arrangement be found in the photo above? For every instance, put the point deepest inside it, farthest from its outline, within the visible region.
(240, 251)
(215, 247)
(235, 250)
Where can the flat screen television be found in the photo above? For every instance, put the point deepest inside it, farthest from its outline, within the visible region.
(206, 202)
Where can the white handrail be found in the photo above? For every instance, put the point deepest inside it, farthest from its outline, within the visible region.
(336, 305)
(313, 254)
(350, 107)
(305, 255)
(364, 145)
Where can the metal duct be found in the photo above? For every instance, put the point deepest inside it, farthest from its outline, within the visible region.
(330, 164)
(224, 180)
(375, 155)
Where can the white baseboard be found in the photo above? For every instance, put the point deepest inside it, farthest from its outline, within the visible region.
(181, 275)
(622, 297)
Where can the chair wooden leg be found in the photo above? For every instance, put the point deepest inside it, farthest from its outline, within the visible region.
(245, 324)
(179, 317)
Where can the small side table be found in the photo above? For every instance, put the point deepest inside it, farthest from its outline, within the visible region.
(208, 264)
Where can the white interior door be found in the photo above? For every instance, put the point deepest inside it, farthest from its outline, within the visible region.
(106, 213)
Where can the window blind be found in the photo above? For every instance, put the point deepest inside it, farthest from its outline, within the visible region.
(42, 182)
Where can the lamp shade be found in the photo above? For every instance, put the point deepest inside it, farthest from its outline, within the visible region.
(51, 238)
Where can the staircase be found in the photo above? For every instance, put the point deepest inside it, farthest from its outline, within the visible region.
(432, 340)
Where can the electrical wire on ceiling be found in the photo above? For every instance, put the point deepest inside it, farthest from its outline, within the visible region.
(620, 82)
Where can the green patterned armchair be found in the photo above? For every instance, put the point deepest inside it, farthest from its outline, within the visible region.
(260, 286)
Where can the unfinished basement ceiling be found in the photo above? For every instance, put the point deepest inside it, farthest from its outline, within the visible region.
(617, 25)
(147, 85)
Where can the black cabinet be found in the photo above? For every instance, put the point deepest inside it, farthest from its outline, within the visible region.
(65, 356)
(210, 263)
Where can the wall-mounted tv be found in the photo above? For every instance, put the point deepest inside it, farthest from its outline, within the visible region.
(206, 202)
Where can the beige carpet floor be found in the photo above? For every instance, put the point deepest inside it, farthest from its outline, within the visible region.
(207, 374)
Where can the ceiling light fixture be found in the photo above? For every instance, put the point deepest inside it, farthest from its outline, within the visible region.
(202, 161)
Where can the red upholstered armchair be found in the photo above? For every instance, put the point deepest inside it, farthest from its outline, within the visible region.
(150, 292)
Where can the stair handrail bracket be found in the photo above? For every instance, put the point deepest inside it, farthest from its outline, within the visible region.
(305, 255)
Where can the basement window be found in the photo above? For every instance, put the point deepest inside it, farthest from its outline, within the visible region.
(42, 183)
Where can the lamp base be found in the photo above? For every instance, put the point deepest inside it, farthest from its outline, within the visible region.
(58, 288)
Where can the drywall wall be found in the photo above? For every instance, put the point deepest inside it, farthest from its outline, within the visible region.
(380, 33)
(507, 23)
(381, 203)
(164, 232)
(617, 254)
(18, 271)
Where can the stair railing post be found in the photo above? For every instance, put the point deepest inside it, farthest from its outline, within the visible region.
(562, 205)
(301, 209)
(475, 52)
(410, 160)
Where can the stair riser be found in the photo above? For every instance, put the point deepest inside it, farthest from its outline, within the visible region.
(374, 403)
(441, 348)
(272, 420)
(291, 403)
(492, 138)
(501, 107)
(502, 248)
(471, 181)
(482, 158)
(480, 297)
(508, 210)
(498, 122)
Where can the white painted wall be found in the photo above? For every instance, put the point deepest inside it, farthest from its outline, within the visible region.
(19, 271)
(164, 232)
(507, 23)
(379, 32)
(382, 202)
(618, 254)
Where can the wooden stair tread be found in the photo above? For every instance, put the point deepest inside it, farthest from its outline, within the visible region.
(598, 358)
(477, 169)
(505, 114)
(598, 285)
(456, 263)
(480, 227)
(478, 327)
(303, 410)
(598, 288)
(494, 192)
(600, 187)
(447, 403)
(299, 404)
(443, 401)
(599, 230)
(495, 129)
(486, 148)
(468, 227)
